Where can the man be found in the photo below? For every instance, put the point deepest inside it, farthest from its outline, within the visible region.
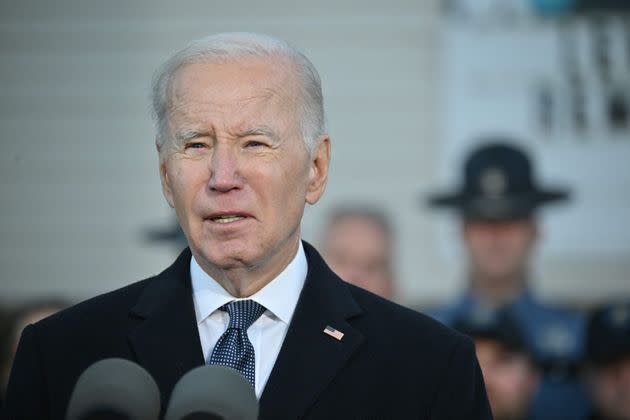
(608, 362)
(357, 245)
(242, 148)
(497, 203)
(509, 372)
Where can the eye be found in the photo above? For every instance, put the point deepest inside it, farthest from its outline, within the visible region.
(254, 144)
(195, 145)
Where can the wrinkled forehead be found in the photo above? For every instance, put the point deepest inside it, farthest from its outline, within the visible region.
(235, 83)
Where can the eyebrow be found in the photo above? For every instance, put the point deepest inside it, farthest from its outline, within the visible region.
(190, 134)
(259, 131)
(185, 135)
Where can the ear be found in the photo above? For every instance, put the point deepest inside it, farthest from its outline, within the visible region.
(164, 179)
(318, 170)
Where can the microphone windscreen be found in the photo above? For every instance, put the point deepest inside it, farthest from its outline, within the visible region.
(212, 392)
(114, 388)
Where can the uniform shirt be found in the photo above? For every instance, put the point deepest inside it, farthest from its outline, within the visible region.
(279, 297)
(556, 339)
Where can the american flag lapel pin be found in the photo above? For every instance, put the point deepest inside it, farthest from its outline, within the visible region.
(338, 335)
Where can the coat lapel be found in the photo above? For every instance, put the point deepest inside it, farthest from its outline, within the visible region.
(309, 358)
(166, 341)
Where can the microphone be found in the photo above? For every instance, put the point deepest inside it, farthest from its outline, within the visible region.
(212, 392)
(114, 389)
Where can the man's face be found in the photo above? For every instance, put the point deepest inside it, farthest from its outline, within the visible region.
(359, 252)
(499, 250)
(510, 379)
(237, 171)
(610, 387)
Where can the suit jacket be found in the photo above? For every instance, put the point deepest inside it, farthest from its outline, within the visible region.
(391, 362)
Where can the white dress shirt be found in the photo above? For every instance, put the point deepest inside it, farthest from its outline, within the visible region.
(279, 297)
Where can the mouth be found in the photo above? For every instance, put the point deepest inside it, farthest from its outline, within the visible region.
(226, 218)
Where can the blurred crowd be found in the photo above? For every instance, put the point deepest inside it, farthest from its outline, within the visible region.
(539, 360)
(13, 320)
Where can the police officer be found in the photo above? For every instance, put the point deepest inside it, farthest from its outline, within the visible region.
(497, 201)
(608, 361)
(509, 371)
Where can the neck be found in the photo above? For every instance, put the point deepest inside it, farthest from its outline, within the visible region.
(498, 291)
(245, 280)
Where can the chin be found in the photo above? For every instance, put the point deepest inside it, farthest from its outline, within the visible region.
(226, 259)
(219, 255)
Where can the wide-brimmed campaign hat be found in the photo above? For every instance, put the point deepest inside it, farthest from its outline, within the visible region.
(495, 325)
(498, 184)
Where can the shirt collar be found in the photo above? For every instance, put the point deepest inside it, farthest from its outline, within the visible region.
(279, 296)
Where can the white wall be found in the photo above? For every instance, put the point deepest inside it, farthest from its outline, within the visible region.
(79, 184)
(78, 170)
(492, 74)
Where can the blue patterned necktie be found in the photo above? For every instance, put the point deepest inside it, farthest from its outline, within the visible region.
(234, 349)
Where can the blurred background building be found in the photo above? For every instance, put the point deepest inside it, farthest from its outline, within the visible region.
(408, 86)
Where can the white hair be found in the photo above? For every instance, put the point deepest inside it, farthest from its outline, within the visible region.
(235, 45)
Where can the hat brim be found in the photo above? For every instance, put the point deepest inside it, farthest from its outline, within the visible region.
(506, 207)
(508, 337)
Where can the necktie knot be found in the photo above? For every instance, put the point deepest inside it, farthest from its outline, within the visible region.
(243, 313)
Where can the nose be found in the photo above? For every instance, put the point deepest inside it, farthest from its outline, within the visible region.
(224, 169)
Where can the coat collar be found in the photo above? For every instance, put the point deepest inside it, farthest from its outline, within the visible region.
(309, 358)
(166, 342)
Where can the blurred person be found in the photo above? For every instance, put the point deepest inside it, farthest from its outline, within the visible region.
(497, 203)
(242, 150)
(607, 369)
(509, 371)
(14, 323)
(357, 244)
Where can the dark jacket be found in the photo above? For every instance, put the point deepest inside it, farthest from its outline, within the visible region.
(391, 362)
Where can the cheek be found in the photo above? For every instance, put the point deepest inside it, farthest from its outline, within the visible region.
(180, 188)
(519, 240)
(520, 382)
(187, 183)
(290, 183)
(478, 243)
(508, 387)
(604, 393)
